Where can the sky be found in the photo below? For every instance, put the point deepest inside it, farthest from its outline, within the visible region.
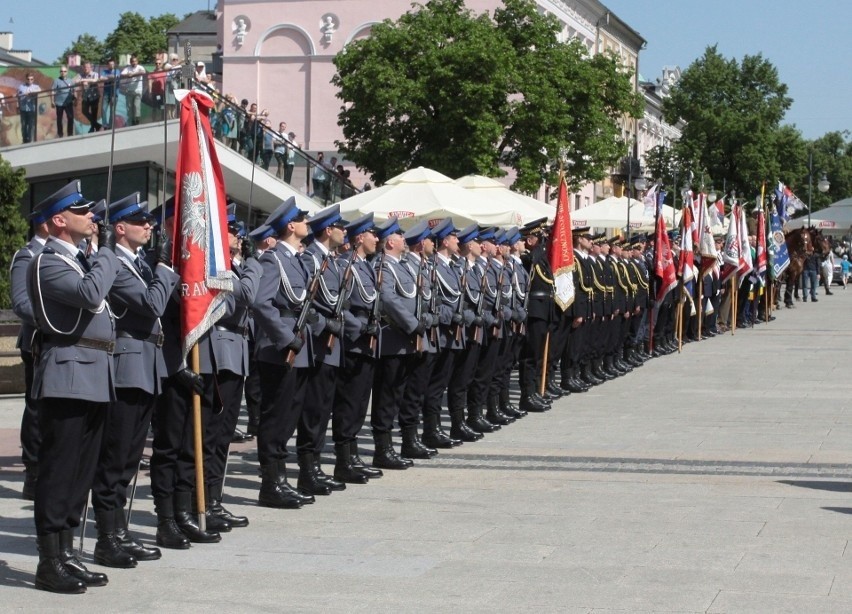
(808, 42)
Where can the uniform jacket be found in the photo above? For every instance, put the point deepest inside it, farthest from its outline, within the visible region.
(20, 300)
(398, 296)
(413, 262)
(541, 304)
(361, 294)
(519, 279)
(138, 298)
(69, 305)
(325, 301)
(450, 301)
(584, 286)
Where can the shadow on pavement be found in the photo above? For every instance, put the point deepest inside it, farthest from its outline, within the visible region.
(831, 486)
(9, 576)
(841, 510)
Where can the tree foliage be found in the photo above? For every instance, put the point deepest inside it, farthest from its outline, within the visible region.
(136, 35)
(88, 47)
(461, 93)
(13, 227)
(832, 155)
(732, 111)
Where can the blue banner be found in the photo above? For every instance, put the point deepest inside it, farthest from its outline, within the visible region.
(778, 254)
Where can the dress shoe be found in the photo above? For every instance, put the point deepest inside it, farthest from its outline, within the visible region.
(574, 385)
(72, 563)
(436, 437)
(334, 485)
(385, 457)
(553, 390)
(343, 470)
(495, 416)
(460, 431)
(51, 573)
(309, 483)
(241, 437)
(506, 406)
(215, 508)
(478, 423)
(359, 465)
(130, 545)
(108, 550)
(187, 523)
(30, 479)
(272, 494)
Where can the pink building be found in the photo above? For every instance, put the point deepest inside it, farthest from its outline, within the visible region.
(279, 54)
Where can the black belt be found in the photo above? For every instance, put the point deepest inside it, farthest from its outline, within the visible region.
(361, 311)
(288, 313)
(83, 342)
(541, 294)
(237, 330)
(155, 338)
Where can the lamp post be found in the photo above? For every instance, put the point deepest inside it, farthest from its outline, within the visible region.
(823, 185)
(640, 185)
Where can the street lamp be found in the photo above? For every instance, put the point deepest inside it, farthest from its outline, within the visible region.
(640, 185)
(822, 185)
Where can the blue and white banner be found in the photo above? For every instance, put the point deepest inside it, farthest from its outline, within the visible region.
(778, 253)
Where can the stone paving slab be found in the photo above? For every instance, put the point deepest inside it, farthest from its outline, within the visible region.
(698, 483)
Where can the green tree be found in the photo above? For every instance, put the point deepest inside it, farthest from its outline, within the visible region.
(136, 35)
(832, 155)
(460, 93)
(732, 112)
(13, 227)
(87, 46)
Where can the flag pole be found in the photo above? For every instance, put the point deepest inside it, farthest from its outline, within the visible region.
(199, 444)
(544, 364)
(733, 302)
(700, 300)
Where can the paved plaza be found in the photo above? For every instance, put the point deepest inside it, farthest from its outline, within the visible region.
(718, 480)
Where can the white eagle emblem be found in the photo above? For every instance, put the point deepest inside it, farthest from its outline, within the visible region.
(194, 221)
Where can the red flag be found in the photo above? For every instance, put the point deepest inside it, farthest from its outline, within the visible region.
(201, 227)
(664, 266)
(561, 250)
(686, 264)
(761, 245)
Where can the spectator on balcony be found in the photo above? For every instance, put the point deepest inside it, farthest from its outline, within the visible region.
(28, 107)
(89, 81)
(201, 73)
(268, 148)
(290, 164)
(321, 179)
(133, 86)
(247, 130)
(280, 149)
(62, 98)
(230, 131)
(108, 77)
(258, 134)
(172, 81)
(157, 90)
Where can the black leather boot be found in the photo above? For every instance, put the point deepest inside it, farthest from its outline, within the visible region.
(385, 457)
(30, 479)
(69, 558)
(598, 372)
(187, 523)
(51, 573)
(168, 533)
(285, 486)
(108, 550)
(334, 485)
(553, 390)
(213, 522)
(506, 406)
(215, 508)
(570, 383)
(434, 436)
(493, 413)
(360, 465)
(309, 483)
(130, 545)
(271, 494)
(412, 447)
(343, 469)
(532, 403)
(589, 376)
(478, 423)
(461, 431)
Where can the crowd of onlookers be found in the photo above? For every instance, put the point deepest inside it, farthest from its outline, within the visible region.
(240, 126)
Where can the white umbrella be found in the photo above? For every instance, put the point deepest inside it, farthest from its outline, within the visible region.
(527, 208)
(422, 193)
(612, 213)
(834, 218)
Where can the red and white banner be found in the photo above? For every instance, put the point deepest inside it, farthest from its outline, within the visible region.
(664, 267)
(561, 250)
(200, 237)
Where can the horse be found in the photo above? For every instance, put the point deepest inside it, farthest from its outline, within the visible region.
(801, 244)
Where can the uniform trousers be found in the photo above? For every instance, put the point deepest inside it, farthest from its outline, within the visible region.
(282, 397)
(559, 335)
(170, 471)
(414, 395)
(125, 430)
(252, 387)
(462, 375)
(439, 380)
(532, 355)
(220, 420)
(71, 433)
(353, 386)
(483, 372)
(30, 436)
(313, 419)
(388, 386)
(503, 364)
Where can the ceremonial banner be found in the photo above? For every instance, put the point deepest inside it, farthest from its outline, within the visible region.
(687, 252)
(760, 265)
(561, 250)
(200, 255)
(706, 242)
(746, 262)
(664, 267)
(777, 246)
(650, 200)
(731, 251)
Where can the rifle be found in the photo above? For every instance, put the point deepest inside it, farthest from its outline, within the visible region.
(498, 303)
(375, 314)
(462, 294)
(302, 321)
(338, 308)
(433, 299)
(418, 309)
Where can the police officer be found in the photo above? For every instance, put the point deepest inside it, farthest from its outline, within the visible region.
(30, 436)
(283, 354)
(73, 380)
(138, 298)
